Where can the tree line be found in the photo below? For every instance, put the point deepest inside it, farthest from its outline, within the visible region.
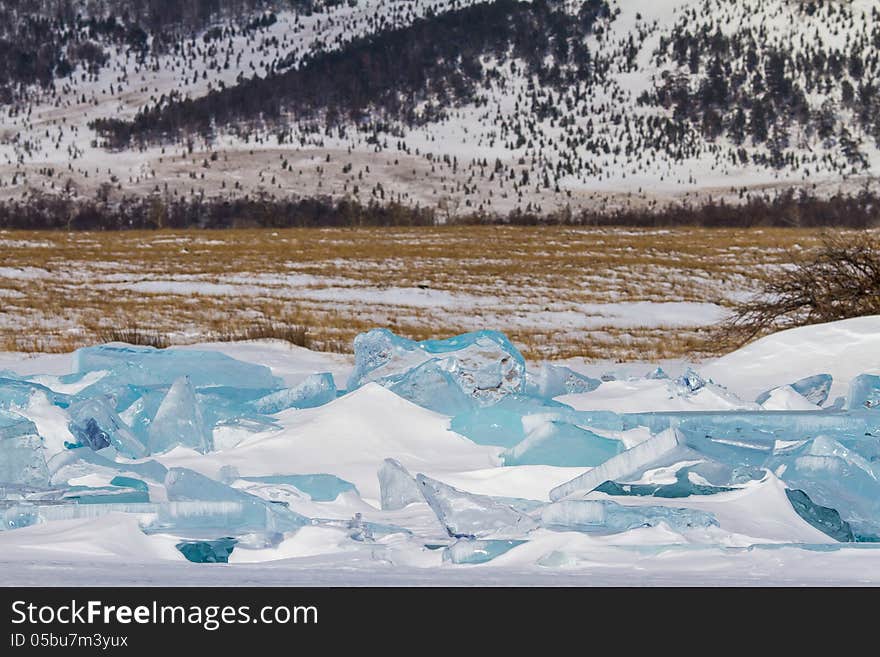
(786, 209)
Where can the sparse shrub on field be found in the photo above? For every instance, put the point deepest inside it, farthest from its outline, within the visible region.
(838, 280)
(133, 334)
(297, 334)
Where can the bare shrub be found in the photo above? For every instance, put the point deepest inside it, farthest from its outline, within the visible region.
(838, 280)
(133, 334)
(269, 330)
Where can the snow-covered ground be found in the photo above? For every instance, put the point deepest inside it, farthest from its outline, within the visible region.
(758, 538)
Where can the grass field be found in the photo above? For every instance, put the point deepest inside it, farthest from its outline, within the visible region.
(557, 292)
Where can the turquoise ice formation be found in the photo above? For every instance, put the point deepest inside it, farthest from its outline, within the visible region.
(135, 407)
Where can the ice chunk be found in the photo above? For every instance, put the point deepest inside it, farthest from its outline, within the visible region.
(657, 374)
(606, 516)
(19, 516)
(559, 443)
(786, 398)
(574, 515)
(319, 487)
(623, 464)
(253, 513)
(179, 422)
(484, 364)
(397, 486)
(763, 427)
(814, 389)
(555, 380)
(360, 530)
(138, 413)
(95, 424)
(824, 519)
(466, 515)
(431, 386)
(26, 514)
(690, 381)
(146, 366)
(477, 551)
(864, 392)
(216, 551)
(683, 487)
(315, 390)
(16, 393)
(73, 463)
(503, 424)
(22, 458)
(837, 477)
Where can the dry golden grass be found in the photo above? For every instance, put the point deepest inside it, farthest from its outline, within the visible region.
(59, 290)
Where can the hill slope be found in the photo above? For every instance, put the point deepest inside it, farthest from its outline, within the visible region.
(456, 105)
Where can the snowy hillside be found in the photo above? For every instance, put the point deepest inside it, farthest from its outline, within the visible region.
(459, 106)
(448, 461)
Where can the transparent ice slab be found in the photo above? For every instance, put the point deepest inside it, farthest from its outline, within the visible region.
(556, 380)
(467, 551)
(430, 385)
(562, 444)
(319, 487)
(82, 461)
(864, 392)
(466, 515)
(814, 389)
(607, 516)
(683, 487)
(823, 518)
(315, 390)
(22, 457)
(252, 514)
(622, 464)
(484, 364)
(16, 393)
(146, 366)
(397, 487)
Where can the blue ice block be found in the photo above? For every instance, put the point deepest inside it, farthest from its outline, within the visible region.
(484, 364)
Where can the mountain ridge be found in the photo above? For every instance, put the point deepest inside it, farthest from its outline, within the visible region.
(512, 106)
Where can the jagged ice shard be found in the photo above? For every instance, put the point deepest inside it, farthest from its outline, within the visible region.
(465, 515)
(397, 487)
(179, 422)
